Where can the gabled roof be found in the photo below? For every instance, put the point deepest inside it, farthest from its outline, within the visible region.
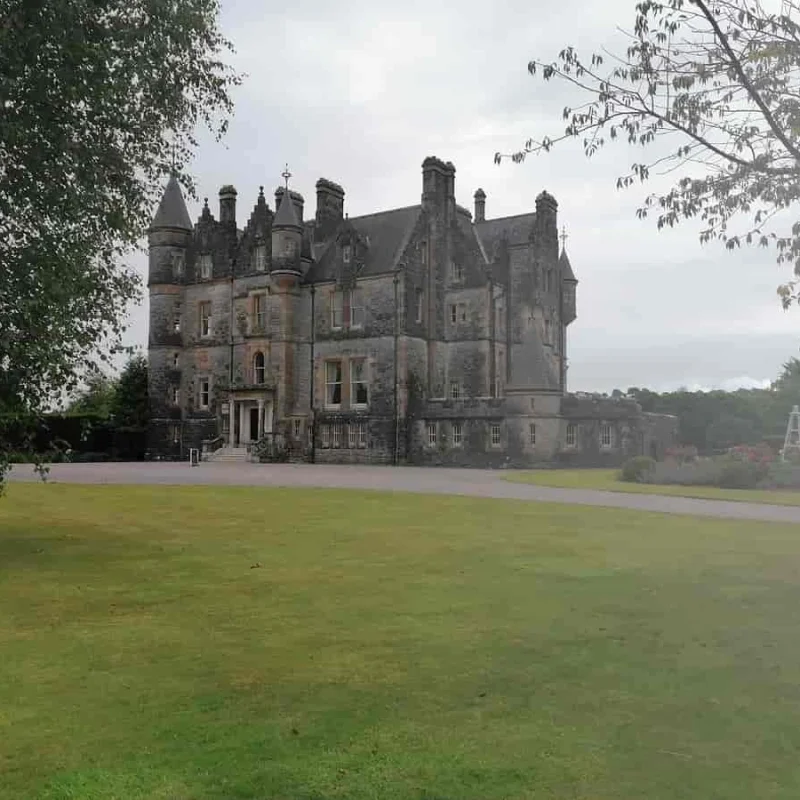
(566, 268)
(386, 235)
(172, 212)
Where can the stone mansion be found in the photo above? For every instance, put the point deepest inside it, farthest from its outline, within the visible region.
(426, 334)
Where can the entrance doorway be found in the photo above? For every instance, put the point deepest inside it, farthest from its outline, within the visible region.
(254, 424)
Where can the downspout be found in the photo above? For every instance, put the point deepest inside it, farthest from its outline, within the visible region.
(312, 377)
(395, 456)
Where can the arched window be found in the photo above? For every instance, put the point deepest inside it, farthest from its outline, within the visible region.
(258, 368)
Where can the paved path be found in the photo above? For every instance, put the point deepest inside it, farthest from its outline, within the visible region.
(470, 482)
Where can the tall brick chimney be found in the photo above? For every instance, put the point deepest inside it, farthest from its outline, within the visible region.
(330, 208)
(480, 206)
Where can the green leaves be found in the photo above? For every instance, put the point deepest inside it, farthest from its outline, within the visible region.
(726, 79)
(96, 95)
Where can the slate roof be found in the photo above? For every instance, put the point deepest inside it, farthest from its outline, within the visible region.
(566, 268)
(386, 233)
(517, 229)
(286, 216)
(172, 212)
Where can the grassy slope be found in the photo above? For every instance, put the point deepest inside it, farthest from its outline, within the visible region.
(390, 646)
(606, 480)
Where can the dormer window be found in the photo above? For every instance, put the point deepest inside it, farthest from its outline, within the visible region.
(261, 258)
(205, 266)
(346, 253)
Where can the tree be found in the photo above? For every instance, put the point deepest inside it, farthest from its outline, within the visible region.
(96, 398)
(130, 405)
(98, 100)
(710, 90)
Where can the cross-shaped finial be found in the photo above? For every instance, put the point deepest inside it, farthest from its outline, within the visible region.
(563, 236)
(286, 175)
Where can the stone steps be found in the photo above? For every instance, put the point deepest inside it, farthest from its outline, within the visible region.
(230, 455)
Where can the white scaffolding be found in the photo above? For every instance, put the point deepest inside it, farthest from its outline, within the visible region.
(791, 444)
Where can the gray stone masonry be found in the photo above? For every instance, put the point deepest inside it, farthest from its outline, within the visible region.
(415, 335)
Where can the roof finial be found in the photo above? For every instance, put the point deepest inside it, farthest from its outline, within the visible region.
(286, 175)
(563, 237)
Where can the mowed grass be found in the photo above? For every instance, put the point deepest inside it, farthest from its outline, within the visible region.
(606, 480)
(203, 642)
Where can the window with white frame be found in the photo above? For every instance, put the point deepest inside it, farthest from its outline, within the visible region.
(419, 302)
(455, 390)
(352, 435)
(456, 272)
(297, 428)
(458, 434)
(532, 433)
(325, 434)
(346, 253)
(261, 258)
(356, 309)
(495, 435)
(204, 313)
(176, 433)
(362, 434)
(176, 319)
(259, 312)
(336, 438)
(606, 436)
(571, 435)
(337, 309)
(333, 383)
(462, 312)
(432, 432)
(176, 396)
(259, 368)
(204, 393)
(359, 393)
(205, 265)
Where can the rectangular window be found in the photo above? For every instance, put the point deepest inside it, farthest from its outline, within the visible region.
(432, 431)
(458, 434)
(204, 397)
(176, 396)
(206, 266)
(454, 313)
(547, 332)
(462, 312)
(419, 298)
(176, 433)
(606, 436)
(456, 272)
(176, 320)
(532, 432)
(259, 312)
(337, 309)
(356, 309)
(533, 404)
(359, 394)
(176, 360)
(333, 383)
(337, 435)
(346, 253)
(205, 318)
(352, 434)
(571, 437)
(178, 265)
(325, 434)
(423, 247)
(495, 431)
(261, 258)
(455, 390)
(297, 425)
(362, 434)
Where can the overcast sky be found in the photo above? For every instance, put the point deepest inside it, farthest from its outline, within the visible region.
(362, 92)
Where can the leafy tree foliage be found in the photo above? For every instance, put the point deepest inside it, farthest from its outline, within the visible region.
(711, 90)
(129, 407)
(96, 398)
(98, 100)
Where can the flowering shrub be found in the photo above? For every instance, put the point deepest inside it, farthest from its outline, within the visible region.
(639, 469)
(682, 454)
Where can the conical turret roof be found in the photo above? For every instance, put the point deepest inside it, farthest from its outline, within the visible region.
(566, 268)
(172, 211)
(286, 216)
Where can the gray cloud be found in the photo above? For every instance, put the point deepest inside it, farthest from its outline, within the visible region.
(362, 92)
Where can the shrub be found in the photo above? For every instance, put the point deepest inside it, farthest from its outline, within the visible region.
(737, 474)
(639, 469)
(682, 454)
(782, 475)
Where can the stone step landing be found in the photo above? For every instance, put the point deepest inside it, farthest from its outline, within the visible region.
(230, 455)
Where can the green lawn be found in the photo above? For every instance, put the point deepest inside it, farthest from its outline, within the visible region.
(606, 480)
(203, 642)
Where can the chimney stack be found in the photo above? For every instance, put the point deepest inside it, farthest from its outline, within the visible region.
(480, 206)
(330, 208)
(227, 205)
